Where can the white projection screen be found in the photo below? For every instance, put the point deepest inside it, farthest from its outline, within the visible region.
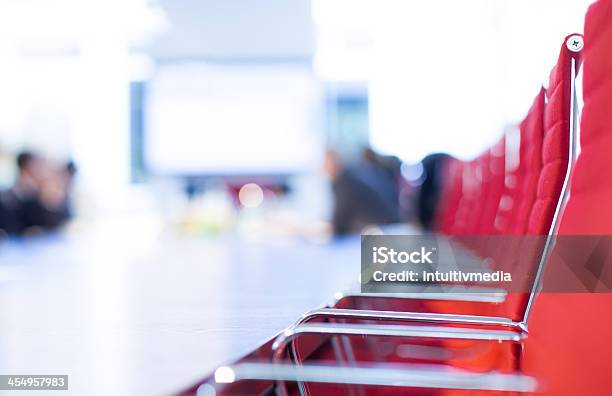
(230, 118)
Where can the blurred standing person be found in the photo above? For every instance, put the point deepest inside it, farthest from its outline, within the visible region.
(430, 190)
(365, 193)
(55, 196)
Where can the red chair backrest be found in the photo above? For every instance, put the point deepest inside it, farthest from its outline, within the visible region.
(553, 173)
(493, 187)
(469, 191)
(532, 131)
(451, 195)
(555, 146)
(509, 197)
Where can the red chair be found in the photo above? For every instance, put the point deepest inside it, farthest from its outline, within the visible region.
(532, 131)
(557, 117)
(475, 194)
(580, 345)
(509, 182)
(493, 171)
(451, 196)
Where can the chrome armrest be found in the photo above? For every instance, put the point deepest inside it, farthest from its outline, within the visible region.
(338, 313)
(468, 294)
(283, 340)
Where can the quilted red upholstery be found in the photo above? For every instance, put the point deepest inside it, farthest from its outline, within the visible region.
(481, 185)
(451, 196)
(555, 147)
(493, 187)
(482, 181)
(532, 131)
(465, 218)
(506, 206)
(590, 209)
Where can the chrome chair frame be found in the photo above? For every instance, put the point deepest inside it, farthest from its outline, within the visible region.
(364, 376)
(286, 341)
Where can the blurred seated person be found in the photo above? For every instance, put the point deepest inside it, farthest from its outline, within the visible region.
(430, 189)
(365, 193)
(55, 194)
(39, 198)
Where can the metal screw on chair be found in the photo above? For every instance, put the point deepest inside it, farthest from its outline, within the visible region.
(575, 43)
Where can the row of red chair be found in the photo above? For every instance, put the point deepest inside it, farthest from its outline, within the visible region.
(476, 190)
(515, 188)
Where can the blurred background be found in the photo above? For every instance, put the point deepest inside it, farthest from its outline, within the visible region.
(174, 173)
(276, 117)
